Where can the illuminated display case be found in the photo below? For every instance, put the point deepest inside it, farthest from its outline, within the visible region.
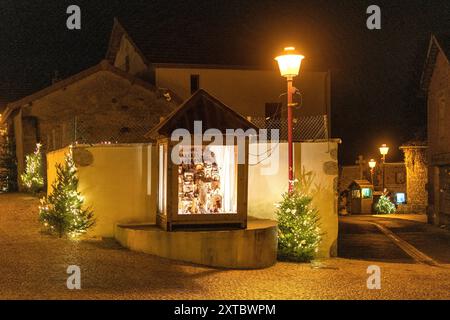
(361, 201)
(207, 186)
(202, 193)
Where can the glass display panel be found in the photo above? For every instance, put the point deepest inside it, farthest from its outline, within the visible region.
(366, 193)
(356, 194)
(208, 184)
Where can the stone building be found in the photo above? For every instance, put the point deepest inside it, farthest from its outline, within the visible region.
(101, 104)
(435, 83)
(416, 178)
(395, 176)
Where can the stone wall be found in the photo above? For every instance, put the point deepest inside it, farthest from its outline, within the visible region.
(439, 142)
(416, 179)
(102, 107)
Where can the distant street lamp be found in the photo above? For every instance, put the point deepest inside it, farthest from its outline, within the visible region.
(289, 63)
(372, 164)
(384, 149)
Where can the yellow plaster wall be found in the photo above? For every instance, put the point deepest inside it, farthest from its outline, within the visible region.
(247, 91)
(117, 184)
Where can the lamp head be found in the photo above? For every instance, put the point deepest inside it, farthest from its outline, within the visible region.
(289, 62)
(372, 163)
(384, 149)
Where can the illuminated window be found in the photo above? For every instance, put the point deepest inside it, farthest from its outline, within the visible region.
(208, 185)
(356, 194)
(366, 193)
(400, 198)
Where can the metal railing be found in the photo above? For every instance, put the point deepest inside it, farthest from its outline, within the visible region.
(304, 128)
(86, 130)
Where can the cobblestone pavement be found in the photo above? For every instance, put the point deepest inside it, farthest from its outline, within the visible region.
(33, 265)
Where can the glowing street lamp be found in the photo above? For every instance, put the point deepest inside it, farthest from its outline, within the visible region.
(384, 149)
(372, 164)
(289, 63)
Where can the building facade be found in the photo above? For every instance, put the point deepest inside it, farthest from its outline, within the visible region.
(99, 105)
(416, 178)
(435, 84)
(251, 91)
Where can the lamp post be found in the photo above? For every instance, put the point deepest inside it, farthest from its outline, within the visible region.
(384, 149)
(289, 63)
(372, 164)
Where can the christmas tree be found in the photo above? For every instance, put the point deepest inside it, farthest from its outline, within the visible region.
(62, 211)
(32, 178)
(384, 205)
(299, 234)
(8, 167)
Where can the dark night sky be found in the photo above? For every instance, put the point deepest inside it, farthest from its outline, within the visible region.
(375, 74)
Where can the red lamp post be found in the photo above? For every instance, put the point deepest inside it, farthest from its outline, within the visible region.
(372, 164)
(384, 149)
(289, 63)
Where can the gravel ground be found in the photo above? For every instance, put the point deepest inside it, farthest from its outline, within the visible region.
(33, 266)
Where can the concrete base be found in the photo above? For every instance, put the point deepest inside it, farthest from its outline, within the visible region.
(252, 248)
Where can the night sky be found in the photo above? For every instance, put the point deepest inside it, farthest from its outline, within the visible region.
(375, 74)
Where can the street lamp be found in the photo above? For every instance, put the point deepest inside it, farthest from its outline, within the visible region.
(384, 149)
(289, 63)
(372, 164)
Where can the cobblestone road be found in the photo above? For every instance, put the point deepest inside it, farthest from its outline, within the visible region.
(33, 265)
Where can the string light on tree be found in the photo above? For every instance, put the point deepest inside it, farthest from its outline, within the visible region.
(32, 178)
(63, 212)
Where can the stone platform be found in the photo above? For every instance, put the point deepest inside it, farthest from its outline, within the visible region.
(252, 248)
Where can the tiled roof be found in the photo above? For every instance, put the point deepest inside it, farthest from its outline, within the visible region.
(9, 93)
(165, 38)
(438, 42)
(201, 106)
(443, 40)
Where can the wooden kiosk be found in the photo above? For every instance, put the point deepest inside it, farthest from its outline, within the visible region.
(205, 187)
(361, 197)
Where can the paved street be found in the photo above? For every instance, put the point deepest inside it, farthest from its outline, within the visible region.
(360, 239)
(33, 265)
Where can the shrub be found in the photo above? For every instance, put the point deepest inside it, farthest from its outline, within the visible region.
(384, 205)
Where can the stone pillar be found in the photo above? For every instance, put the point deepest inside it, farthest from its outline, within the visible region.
(416, 178)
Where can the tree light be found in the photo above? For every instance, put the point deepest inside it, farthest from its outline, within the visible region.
(289, 62)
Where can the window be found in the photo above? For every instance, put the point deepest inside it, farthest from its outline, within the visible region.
(356, 194)
(442, 126)
(366, 193)
(400, 177)
(195, 82)
(127, 63)
(400, 198)
(208, 185)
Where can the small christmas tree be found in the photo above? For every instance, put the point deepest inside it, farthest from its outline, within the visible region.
(384, 205)
(299, 234)
(32, 178)
(62, 211)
